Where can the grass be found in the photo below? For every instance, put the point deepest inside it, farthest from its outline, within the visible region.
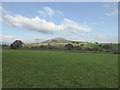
(58, 69)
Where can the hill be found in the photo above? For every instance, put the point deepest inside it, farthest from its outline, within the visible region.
(57, 40)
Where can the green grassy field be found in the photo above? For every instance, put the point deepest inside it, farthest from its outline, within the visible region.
(58, 69)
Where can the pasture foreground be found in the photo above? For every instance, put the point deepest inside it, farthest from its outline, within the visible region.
(58, 69)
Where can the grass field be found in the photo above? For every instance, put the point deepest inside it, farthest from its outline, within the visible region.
(58, 69)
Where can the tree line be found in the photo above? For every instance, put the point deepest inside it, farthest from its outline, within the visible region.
(69, 46)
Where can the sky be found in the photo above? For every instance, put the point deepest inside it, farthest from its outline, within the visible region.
(79, 21)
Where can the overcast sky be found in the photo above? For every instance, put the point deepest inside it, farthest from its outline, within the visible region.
(79, 21)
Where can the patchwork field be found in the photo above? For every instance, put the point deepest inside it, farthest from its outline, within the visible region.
(57, 69)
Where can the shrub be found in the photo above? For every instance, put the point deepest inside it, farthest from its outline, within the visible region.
(96, 49)
(51, 47)
(100, 50)
(77, 47)
(69, 46)
(115, 51)
(106, 47)
(75, 42)
(13, 46)
(4, 45)
(88, 49)
(100, 45)
(82, 45)
(42, 47)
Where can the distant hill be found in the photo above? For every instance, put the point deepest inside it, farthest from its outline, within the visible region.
(57, 40)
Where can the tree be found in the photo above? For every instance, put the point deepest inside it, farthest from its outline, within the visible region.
(69, 46)
(96, 42)
(16, 44)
